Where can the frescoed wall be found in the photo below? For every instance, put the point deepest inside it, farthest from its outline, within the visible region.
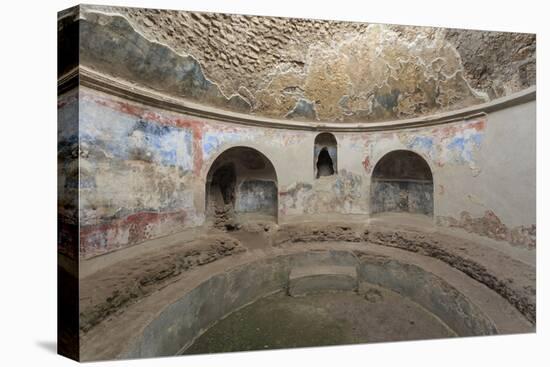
(143, 171)
(67, 174)
(153, 112)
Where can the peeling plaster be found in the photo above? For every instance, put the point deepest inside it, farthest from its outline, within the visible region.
(342, 193)
(130, 177)
(304, 69)
(455, 144)
(490, 225)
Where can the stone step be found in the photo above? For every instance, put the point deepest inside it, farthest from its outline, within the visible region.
(320, 278)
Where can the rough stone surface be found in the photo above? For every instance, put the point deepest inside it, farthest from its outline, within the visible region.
(279, 321)
(375, 250)
(496, 62)
(315, 279)
(435, 295)
(310, 69)
(491, 226)
(107, 292)
(519, 292)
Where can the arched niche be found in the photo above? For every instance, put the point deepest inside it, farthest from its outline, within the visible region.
(241, 185)
(325, 155)
(402, 182)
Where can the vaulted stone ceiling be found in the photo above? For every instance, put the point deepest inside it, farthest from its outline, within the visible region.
(303, 69)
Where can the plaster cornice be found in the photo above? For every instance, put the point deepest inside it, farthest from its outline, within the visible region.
(92, 79)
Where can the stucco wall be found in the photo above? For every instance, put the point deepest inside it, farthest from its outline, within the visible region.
(499, 198)
(67, 224)
(67, 173)
(143, 171)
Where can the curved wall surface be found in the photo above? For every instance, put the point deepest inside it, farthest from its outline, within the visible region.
(155, 110)
(259, 157)
(301, 69)
(144, 168)
(180, 323)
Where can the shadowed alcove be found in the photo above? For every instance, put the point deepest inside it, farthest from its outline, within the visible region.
(402, 182)
(325, 153)
(241, 184)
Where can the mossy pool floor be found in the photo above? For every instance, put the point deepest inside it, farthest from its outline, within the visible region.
(281, 321)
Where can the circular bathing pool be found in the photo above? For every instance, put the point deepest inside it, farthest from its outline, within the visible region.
(327, 318)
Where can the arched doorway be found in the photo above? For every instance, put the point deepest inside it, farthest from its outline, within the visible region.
(241, 186)
(325, 155)
(402, 182)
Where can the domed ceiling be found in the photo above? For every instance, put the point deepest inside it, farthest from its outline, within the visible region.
(299, 69)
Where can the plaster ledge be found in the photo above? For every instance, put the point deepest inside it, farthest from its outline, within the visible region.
(83, 76)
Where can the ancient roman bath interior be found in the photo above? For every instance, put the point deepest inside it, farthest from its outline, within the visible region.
(231, 182)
